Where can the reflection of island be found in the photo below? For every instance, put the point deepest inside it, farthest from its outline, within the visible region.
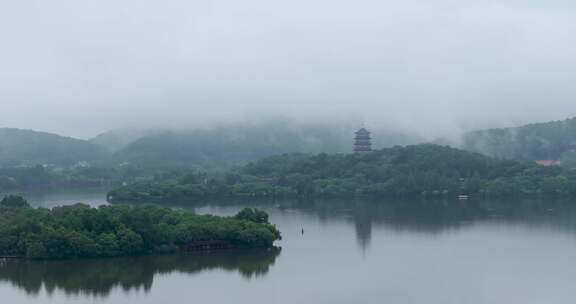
(99, 277)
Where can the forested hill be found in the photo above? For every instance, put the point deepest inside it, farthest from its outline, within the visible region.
(118, 139)
(24, 147)
(538, 141)
(238, 144)
(418, 162)
(421, 170)
(427, 170)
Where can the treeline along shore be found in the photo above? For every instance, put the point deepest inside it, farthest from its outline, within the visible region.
(429, 171)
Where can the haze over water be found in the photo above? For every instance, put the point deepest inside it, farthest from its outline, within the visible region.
(350, 252)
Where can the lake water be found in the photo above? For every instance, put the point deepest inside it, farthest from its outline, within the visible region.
(350, 252)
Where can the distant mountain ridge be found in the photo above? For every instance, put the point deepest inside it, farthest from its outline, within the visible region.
(538, 141)
(209, 148)
(237, 144)
(118, 139)
(27, 148)
(227, 146)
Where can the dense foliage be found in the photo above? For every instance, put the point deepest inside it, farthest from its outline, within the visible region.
(427, 170)
(253, 215)
(81, 231)
(48, 177)
(531, 142)
(194, 187)
(421, 170)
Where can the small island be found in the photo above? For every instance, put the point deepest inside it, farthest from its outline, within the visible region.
(426, 171)
(79, 231)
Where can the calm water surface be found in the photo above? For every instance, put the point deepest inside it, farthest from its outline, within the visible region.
(350, 252)
(51, 199)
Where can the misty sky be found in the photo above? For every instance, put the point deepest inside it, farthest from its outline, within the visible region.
(79, 67)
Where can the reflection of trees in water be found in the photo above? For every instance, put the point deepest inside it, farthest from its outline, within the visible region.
(434, 217)
(423, 216)
(99, 277)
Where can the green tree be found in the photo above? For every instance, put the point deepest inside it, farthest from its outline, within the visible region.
(14, 201)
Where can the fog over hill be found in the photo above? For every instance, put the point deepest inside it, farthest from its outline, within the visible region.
(435, 68)
(221, 146)
(115, 140)
(29, 148)
(211, 72)
(239, 143)
(538, 141)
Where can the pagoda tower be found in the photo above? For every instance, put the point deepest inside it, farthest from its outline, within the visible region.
(362, 141)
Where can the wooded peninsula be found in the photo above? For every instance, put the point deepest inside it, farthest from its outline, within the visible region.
(428, 171)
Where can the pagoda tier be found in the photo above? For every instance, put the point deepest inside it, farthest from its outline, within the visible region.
(362, 141)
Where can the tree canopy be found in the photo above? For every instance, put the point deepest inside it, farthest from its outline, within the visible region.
(81, 231)
(420, 170)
